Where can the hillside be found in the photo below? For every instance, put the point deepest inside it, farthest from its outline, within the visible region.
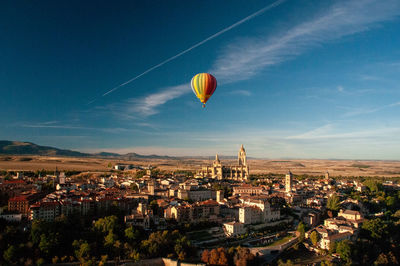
(28, 148)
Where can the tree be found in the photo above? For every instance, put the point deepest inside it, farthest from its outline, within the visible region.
(333, 203)
(134, 255)
(82, 249)
(326, 263)
(48, 243)
(103, 260)
(373, 185)
(205, 256)
(214, 257)
(382, 260)
(40, 261)
(106, 224)
(301, 229)
(390, 201)
(55, 260)
(131, 234)
(344, 250)
(10, 254)
(376, 228)
(332, 248)
(154, 206)
(314, 237)
(223, 258)
(110, 238)
(287, 263)
(243, 256)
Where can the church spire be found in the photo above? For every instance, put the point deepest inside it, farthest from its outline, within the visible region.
(242, 156)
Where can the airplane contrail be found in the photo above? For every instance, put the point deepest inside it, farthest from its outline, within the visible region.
(259, 12)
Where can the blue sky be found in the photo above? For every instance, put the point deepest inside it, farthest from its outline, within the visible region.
(296, 79)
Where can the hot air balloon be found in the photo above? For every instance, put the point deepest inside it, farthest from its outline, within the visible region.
(203, 86)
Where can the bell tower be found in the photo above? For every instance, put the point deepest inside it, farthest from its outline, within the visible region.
(242, 156)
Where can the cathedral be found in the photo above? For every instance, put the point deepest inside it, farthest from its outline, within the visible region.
(235, 172)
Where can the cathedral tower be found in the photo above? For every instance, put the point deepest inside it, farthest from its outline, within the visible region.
(242, 157)
(288, 182)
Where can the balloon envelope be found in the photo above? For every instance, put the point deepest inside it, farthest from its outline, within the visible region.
(203, 86)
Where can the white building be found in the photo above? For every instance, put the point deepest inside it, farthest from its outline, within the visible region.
(46, 211)
(234, 229)
(257, 211)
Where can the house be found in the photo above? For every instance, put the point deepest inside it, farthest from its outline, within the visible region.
(234, 229)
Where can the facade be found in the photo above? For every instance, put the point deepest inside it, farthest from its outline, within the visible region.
(220, 196)
(200, 211)
(345, 226)
(46, 211)
(288, 182)
(196, 195)
(19, 204)
(247, 189)
(22, 203)
(234, 228)
(327, 241)
(257, 211)
(219, 171)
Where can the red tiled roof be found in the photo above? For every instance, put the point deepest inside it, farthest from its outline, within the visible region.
(19, 198)
(14, 182)
(209, 202)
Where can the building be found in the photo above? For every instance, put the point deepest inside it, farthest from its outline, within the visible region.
(199, 212)
(288, 182)
(46, 211)
(22, 203)
(19, 204)
(257, 211)
(345, 226)
(220, 196)
(11, 217)
(219, 171)
(234, 229)
(247, 189)
(196, 195)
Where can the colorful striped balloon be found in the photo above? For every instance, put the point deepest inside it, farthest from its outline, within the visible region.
(203, 86)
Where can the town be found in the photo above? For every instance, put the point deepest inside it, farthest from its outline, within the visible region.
(219, 214)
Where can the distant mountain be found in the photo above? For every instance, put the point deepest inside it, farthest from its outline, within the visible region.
(107, 154)
(133, 155)
(28, 148)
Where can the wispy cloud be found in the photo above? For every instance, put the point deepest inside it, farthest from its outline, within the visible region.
(241, 92)
(330, 132)
(247, 57)
(234, 25)
(147, 105)
(74, 127)
(368, 110)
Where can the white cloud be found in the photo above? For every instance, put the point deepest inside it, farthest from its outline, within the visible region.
(247, 57)
(241, 92)
(147, 105)
(368, 110)
(329, 132)
(234, 25)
